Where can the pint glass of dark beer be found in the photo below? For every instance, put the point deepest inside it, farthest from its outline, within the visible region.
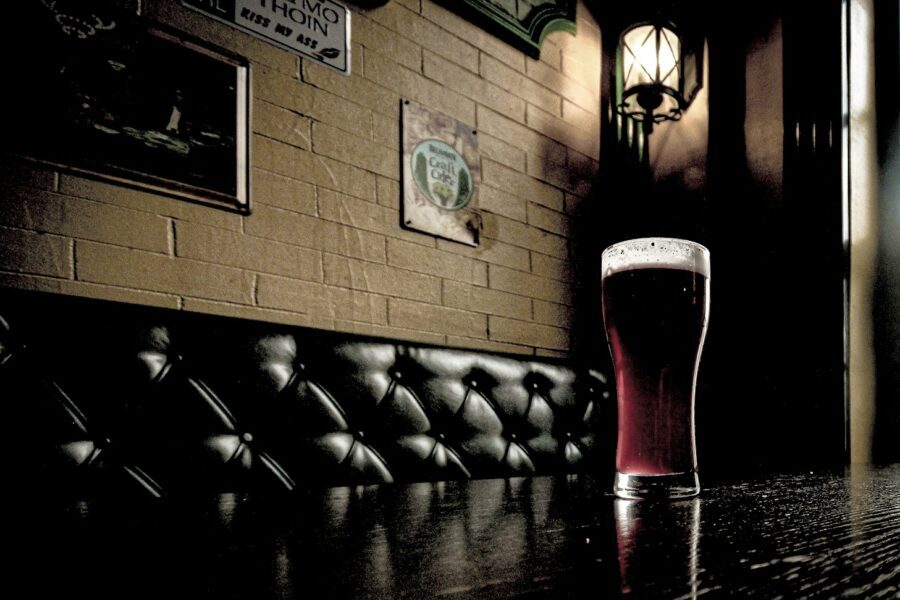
(655, 309)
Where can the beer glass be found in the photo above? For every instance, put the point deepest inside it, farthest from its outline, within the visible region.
(655, 309)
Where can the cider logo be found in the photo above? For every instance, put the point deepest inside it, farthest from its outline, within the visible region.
(441, 174)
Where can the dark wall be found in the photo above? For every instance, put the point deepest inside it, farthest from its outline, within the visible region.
(887, 289)
(771, 392)
(773, 373)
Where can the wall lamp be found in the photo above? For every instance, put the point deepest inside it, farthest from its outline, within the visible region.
(658, 73)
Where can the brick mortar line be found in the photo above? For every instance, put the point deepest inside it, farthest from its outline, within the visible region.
(256, 308)
(73, 256)
(369, 140)
(182, 258)
(531, 129)
(321, 155)
(523, 74)
(313, 117)
(286, 143)
(172, 237)
(162, 254)
(444, 277)
(338, 286)
(134, 208)
(80, 282)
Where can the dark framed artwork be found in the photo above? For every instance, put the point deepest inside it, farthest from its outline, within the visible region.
(522, 23)
(107, 95)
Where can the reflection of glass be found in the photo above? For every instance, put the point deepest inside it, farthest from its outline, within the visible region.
(658, 546)
(655, 308)
(860, 494)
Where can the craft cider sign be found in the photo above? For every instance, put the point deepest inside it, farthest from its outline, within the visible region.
(316, 29)
(441, 174)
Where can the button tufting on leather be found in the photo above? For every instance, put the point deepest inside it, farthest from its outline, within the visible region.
(429, 413)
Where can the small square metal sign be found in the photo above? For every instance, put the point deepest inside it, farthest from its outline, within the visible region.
(318, 30)
(441, 174)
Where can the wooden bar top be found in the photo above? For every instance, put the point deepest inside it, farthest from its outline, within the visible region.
(792, 535)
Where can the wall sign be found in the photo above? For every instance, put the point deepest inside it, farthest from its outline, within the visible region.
(522, 23)
(318, 30)
(440, 174)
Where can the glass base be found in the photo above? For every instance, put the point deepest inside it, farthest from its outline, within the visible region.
(662, 487)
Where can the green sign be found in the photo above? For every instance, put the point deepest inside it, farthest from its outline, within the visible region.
(522, 23)
(441, 174)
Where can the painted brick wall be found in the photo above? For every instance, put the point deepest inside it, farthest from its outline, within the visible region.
(323, 246)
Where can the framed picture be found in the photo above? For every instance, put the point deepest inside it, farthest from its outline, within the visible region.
(522, 23)
(107, 95)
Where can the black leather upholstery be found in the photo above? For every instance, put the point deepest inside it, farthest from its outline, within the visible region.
(102, 394)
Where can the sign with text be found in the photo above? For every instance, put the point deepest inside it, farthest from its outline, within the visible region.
(441, 173)
(318, 30)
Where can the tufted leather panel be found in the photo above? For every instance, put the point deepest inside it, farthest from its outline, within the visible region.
(159, 402)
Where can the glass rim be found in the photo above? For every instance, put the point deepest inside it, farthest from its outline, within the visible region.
(650, 238)
(672, 253)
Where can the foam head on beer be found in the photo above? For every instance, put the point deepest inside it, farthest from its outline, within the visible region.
(658, 253)
(655, 309)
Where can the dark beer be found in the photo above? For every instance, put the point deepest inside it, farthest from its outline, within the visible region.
(656, 309)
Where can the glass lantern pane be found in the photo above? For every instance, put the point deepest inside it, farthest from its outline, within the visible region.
(669, 53)
(639, 45)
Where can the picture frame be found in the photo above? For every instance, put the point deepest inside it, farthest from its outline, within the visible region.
(113, 97)
(521, 23)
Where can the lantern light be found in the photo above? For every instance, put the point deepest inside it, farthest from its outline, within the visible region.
(652, 61)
